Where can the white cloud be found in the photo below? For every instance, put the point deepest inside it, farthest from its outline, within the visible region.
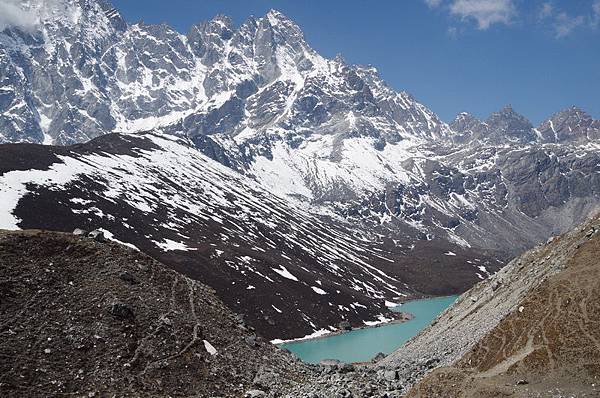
(12, 14)
(546, 11)
(565, 24)
(29, 15)
(596, 11)
(453, 32)
(485, 12)
(433, 3)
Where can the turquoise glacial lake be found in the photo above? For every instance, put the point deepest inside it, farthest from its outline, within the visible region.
(363, 344)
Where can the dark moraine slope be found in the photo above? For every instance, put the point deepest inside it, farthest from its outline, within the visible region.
(289, 268)
(83, 318)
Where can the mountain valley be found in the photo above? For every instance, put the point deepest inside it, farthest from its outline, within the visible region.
(239, 136)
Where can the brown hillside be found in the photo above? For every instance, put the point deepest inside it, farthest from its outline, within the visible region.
(548, 347)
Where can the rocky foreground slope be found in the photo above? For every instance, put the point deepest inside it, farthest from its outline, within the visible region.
(532, 330)
(84, 318)
(547, 342)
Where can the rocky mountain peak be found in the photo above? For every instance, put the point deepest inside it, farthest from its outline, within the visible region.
(508, 113)
(465, 117)
(113, 14)
(276, 17)
(222, 20)
(286, 33)
(465, 127)
(57, 20)
(509, 125)
(571, 124)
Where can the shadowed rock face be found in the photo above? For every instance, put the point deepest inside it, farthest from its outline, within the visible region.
(570, 125)
(82, 317)
(505, 126)
(508, 125)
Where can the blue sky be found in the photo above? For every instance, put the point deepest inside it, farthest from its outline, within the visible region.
(452, 55)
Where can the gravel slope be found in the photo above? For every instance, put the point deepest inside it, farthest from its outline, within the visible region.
(549, 345)
(84, 318)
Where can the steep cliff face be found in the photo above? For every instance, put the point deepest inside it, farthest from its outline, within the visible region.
(86, 318)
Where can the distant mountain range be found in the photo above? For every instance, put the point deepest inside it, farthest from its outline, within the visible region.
(303, 189)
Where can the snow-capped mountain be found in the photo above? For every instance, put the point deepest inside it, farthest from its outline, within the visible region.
(262, 77)
(505, 126)
(355, 170)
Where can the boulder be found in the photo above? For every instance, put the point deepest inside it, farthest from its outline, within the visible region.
(345, 325)
(265, 378)
(255, 394)
(330, 362)
(251, 340)
(121, 310)
(129, 278)
(97, 235)
(346, 368)
(79, 231)
(378, 357)
(390, 375)
(496, 285)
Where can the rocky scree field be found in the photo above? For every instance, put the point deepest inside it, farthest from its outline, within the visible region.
(86, 318)
(548, 345)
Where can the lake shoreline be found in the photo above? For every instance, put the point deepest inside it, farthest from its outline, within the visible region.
(400, 318)
(363, 343)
